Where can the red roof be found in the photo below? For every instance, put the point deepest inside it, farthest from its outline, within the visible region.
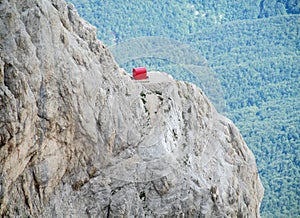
(139, 73)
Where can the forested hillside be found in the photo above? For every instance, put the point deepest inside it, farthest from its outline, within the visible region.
(251, 51)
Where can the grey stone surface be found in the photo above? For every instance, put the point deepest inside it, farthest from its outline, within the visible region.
(79, 138)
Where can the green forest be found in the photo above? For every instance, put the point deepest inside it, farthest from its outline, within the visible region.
(245, 55)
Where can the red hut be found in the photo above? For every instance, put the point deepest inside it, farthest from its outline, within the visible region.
(139, 73)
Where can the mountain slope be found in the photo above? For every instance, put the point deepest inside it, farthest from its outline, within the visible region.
(252, 50)
(79, 138)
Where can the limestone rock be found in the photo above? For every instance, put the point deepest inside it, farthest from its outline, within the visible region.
(79, 138)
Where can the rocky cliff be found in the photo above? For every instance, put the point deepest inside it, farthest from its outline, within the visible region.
(79, 138)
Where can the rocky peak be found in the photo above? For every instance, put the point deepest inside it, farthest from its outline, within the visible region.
(79, 138)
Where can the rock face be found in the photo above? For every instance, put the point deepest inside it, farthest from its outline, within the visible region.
(79, 138)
